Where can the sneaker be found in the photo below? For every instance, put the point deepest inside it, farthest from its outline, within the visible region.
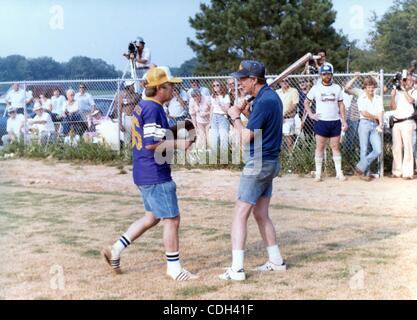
(318, 179)
(229, 274)
(341, 177)
(270, 266)
(113, 263)
(184, 275)
(366, 178)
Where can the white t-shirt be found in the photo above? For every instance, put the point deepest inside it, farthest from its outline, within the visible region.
(203, 90)
(71, 108)
(46, 104)
(14, 125)
(347, 99)
(146, 55)
(58, 104)
(48, 126)
(17, 99)
(218, 102)
(404, 108)
(174, 107)
(85, 102)
(327, 100)
(374, 106)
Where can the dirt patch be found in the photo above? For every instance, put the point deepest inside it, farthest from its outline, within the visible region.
(349, 240)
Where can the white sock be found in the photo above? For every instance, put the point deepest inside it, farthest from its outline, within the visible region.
(121, 244)
(338, 165)
(237, 259)
(275, 255)
(319, 163)
(173, 264)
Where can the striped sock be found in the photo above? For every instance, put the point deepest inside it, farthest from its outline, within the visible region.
(119, 246)
(173, 264)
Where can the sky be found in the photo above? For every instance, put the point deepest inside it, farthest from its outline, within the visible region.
(103, 29)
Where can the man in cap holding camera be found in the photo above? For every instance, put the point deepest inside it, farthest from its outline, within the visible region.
(402, 101)
(142, 58)
(262, 143)
(153, 177)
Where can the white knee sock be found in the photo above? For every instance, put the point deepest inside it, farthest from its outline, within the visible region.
(274, 255)
(237, 259)
(173, 263)
(338, 165)
(121, 244)
(319, 163)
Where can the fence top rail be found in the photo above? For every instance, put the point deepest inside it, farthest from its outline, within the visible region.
(119, 80)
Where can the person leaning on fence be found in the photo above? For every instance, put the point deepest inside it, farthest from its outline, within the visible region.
(178, 107)
(255, 188)
(152, 177)
(290, 98)
(200, 110)
(371, 125)
(219, 124)
(330, 119)
(14, 127)
(128, 100)
(42, 126)
(307, 124)
(402, 102)
(71, 116)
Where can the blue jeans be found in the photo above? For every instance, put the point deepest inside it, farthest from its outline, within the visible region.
(368, 134)
(74, 120)
(161, 199)
(219, 129)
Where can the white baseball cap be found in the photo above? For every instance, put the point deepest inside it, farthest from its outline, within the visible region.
(128, 83)
(139, 39)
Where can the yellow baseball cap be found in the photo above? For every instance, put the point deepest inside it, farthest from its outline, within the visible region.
(160, 75)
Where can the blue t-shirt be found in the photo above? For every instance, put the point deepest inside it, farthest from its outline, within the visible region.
(266, 115)
(149, 126)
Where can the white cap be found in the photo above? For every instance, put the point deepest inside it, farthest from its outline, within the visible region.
(128, 83)
(139, 39)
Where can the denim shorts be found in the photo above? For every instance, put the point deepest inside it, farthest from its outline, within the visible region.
(256, 180)
(328, 129)
(161, 199)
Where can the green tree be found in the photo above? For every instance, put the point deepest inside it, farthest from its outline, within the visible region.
(276, 32)
(394, 38)
(186, 69)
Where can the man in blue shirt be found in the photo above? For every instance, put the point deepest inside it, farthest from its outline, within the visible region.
(152, 173)
(262, 143)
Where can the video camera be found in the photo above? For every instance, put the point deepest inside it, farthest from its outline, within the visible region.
(398, 79)
(132, 50)
(312, 68)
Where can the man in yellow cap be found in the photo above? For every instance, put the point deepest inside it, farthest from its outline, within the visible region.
(153, 176)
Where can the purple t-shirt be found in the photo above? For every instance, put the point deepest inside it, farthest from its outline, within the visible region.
(149, 126)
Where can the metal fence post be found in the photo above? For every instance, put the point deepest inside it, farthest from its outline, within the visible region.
(381, 157)
(118, 115)
(25, 134)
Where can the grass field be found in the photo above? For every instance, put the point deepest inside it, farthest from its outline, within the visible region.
(349, 240)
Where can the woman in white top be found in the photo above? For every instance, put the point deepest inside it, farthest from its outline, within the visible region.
(371, 124)
(71, 114)
(58, 101)
(219, 123)
(200, 110)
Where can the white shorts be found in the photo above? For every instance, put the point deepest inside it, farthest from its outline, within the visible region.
(288, 127)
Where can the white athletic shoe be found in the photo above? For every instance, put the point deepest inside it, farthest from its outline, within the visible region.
(229, 274)
(341, 177)
(270, 266)
(184, 275)
(114, 264)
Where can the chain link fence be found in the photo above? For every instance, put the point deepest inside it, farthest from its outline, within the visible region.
(99, 112)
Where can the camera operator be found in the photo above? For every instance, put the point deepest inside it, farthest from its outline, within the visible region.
(141, 56)
(402, 101)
